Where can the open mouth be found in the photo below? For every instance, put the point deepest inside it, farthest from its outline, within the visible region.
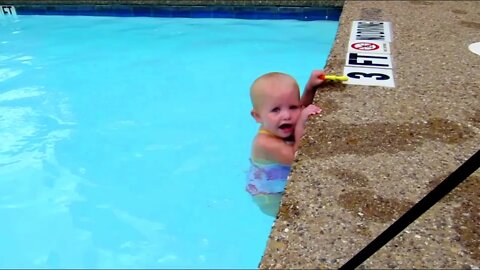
(286, 127)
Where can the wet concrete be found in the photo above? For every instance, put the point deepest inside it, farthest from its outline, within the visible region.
(376, 151)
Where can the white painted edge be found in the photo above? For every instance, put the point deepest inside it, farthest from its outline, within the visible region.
(475, 47)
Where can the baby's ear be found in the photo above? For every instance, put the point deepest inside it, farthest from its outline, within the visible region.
(255, 116)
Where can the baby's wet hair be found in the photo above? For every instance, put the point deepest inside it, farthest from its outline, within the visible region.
(256, 90)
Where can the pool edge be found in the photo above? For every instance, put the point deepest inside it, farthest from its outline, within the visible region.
(357, 154)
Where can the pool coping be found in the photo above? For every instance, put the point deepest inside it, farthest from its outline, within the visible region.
(375, 151)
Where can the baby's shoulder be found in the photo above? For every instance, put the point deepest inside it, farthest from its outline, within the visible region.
(267, 146)
(262, 141)
(274, 149)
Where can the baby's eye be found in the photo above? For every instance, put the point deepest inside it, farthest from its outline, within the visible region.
(293, 107)
(276, 109)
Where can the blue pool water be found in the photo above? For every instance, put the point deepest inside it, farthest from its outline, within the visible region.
(124, 142)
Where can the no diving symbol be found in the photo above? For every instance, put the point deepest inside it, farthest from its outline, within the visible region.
(365, 46)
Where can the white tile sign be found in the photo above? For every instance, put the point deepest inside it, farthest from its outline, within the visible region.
(369, 60)
(369, 47)
(7, 10)
(369, 76)
(371, 31)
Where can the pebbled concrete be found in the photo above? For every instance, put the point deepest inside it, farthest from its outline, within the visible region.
(376, 151)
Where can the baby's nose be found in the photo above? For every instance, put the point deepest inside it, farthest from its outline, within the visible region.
(286, 115)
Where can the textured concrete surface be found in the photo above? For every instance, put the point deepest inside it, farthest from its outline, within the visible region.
(376, 151)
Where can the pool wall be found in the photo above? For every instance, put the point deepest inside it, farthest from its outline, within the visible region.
(271, 9)
(283, 3)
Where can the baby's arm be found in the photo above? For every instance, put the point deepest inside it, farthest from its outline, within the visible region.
(313, 82)
(278, 150)
(273, 149)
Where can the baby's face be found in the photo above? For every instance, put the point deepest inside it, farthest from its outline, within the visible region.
(279, 109)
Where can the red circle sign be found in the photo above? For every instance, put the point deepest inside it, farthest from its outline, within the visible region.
(365, 46)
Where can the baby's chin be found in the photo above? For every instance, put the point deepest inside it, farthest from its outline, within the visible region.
(290, 138)
(285, 135)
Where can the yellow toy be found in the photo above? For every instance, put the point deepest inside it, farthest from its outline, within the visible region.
(340, 78)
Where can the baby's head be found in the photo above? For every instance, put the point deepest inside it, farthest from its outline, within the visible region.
(276, 104)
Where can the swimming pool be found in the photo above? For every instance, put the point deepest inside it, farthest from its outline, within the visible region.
(124, 142)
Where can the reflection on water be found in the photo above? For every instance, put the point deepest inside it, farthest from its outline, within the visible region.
(38, 194)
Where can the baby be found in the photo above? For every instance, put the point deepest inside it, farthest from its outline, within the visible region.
(282, 115)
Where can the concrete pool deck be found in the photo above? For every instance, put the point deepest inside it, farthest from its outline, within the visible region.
(376, 151)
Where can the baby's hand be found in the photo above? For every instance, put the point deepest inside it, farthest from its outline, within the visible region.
(309, 110)
(316, 78)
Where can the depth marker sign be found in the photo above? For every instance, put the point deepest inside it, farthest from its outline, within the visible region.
(365, 46)
(7, 10)
(372, 31)
(369, 46)
(368, 60)
(369, 76)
